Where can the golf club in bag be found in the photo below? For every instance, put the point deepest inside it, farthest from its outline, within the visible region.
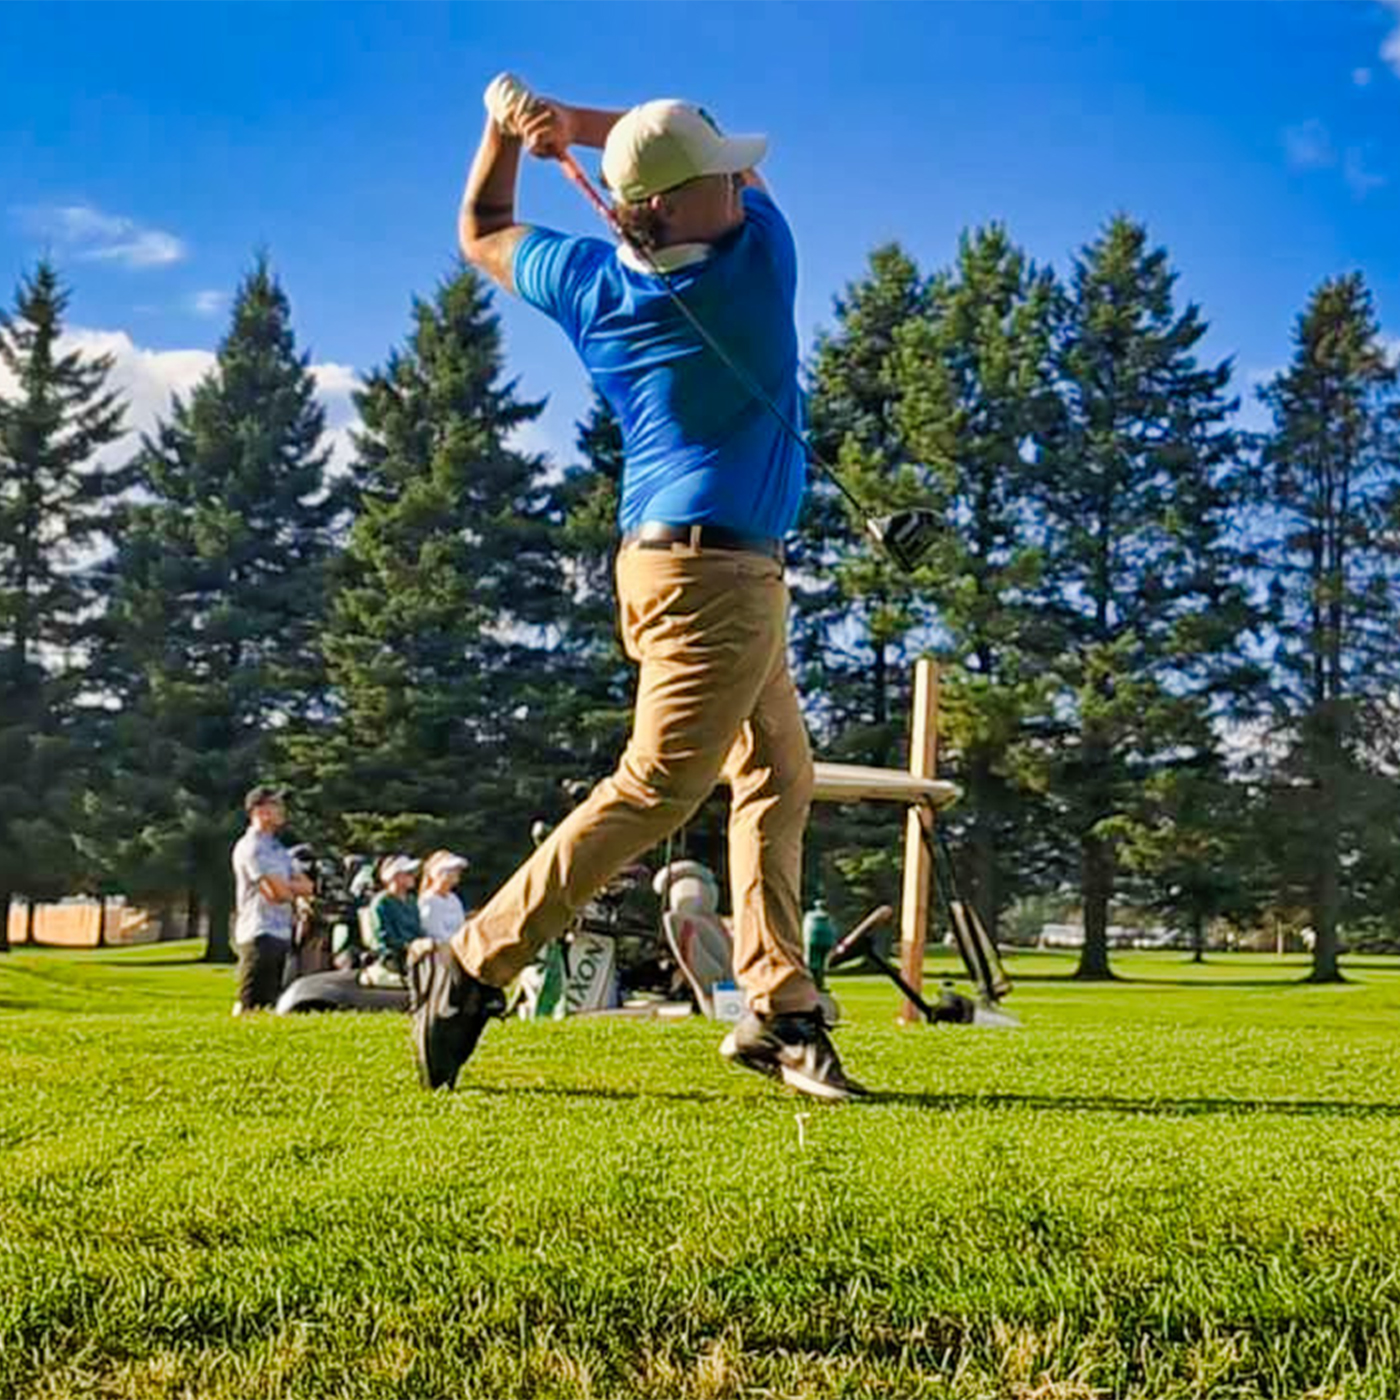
(906, 536)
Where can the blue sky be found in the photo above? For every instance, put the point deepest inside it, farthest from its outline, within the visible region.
(151, 148)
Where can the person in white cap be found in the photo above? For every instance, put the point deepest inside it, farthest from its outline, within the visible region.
(439, 909)
(711, 484)
(393, 912)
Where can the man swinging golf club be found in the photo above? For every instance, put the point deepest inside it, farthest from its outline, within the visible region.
(711, 484)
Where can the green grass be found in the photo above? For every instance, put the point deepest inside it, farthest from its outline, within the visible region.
(1180, 1185)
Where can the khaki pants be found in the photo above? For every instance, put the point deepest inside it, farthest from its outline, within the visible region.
(708, 630)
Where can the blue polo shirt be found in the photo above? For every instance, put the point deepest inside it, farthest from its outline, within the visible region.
(697, 447)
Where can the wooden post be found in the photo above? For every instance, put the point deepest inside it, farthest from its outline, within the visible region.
(918, 865)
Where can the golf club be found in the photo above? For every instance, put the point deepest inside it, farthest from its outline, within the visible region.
(906, 536)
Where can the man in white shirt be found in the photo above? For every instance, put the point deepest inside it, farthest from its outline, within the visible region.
(267, 882)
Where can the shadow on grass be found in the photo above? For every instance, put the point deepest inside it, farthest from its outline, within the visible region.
(1205, 983)
(1162, 1108)
(139, 964)
(94, 957)
(593, 1091)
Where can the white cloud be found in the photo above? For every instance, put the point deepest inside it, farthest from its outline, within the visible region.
(1390, 48)
(90, 235)
(335, 380)
(208, 303)
(149, 378)
(1360, 180)
(1309, 146)
(1361, 77)
(80, 223)
(539, 438)
(145, 248)
(334, 384)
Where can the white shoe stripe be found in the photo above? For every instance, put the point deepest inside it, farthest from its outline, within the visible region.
(797, 1078)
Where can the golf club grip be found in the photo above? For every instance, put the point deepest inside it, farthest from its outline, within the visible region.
(883, 914)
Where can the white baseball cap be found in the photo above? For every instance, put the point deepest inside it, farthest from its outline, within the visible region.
(662, 144)
(399, 865)
(445, 861)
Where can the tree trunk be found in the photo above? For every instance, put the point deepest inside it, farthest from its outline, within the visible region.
(218, 898)
(1327, 897)
(1198, 938)
(1326, 966)
(4, 921)
(984, 874)
(1096, 880)
(982, 800)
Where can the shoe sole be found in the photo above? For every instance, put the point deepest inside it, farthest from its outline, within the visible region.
(813, 1087)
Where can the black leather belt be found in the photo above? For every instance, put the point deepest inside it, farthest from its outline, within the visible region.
(654, 535)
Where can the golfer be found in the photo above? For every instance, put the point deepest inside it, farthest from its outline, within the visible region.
(711, 485)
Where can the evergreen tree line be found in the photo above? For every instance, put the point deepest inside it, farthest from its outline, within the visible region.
(1168, 649)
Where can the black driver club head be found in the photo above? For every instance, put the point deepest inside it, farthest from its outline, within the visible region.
(906, 536)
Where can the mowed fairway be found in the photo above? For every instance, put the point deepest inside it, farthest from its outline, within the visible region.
(1184, 1184)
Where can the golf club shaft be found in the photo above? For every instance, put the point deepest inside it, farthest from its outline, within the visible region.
(574, 172)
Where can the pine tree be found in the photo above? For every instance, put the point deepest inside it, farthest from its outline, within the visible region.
(220, 594)
(855, 616)
(442, 617)
(1331, 489)
(1141, 591)
(56, 501)
(853, 610)
(1193, 840)
(593, 677)
(975, 386)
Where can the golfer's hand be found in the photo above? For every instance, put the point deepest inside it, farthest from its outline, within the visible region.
(547, 129)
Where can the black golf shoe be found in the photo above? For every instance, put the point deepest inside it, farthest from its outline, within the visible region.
(450, 1009)
(792, 1047)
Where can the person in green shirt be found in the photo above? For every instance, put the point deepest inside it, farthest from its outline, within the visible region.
(393, 913)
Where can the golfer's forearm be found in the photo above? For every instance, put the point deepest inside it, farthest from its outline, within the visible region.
(591, 125)
(488, 202)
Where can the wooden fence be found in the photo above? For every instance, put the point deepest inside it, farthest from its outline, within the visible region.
(81, 923)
